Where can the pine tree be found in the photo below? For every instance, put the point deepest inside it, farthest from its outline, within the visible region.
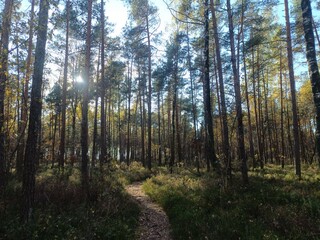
(31, 153)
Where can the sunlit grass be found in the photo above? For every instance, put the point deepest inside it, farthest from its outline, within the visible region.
(275, 205)
(125, 174)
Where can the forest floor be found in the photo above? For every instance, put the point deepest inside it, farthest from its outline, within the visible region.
(153, 221)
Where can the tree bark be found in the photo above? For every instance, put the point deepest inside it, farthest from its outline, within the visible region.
(281, 113)
(293, 94)
(31, 153)
(236, 81)
(64, 94)
(24, 109)
(95, 121)
(312, 63)
(4, 52)
(149, 96)
(85, 101)
(103, 142)
(225, 130)
(210, 150)
(129, 76)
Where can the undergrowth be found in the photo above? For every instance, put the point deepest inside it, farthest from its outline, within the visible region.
(61, 211)
(125, 174)
(275, 205)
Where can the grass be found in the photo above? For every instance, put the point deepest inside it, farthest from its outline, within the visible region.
(275, 205)
(125, 174)
(62, 213)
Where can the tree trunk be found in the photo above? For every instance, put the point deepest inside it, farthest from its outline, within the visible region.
(85, 101)
(178, 132)
(225, 130)
(312, 63)
(73, 132)
(159, 129)
(129, 112)
(24, 109)
(95, 121)
(293, 94)
(28, 185)
(53, 154)
(240, 131)
(142, 115)
(281, 114)
(255, 103)
(249, 111)
(149, 96)
(95, 130)
(210, 150)
(192, 86)
(62, 147)
(173, 129)
(4, 52)
(103, 142)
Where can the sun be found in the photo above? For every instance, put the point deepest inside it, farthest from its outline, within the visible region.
(79, 79)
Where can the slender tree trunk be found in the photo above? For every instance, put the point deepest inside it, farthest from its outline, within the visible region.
(28, 185)
(4, 52)
(178, 132)
(95, 121)
(281, 114)
(210, 150)
(241, 36)
(142, 115)
(218, 98)
(225, 130)
(192, 82)
(24, 109)
(129, 112)
(312, 63)
(53, 150)
(149, 96)
(173, 129)
(164, 130)
(259, 110)
(159, 129)
(85, 101)
(256, 111)
(103, 142)
(73, 132)
(293, 94)
(64, 94)
(268, 145)
(95, 132)
(251, 145)
(240, 131)
(121, 150)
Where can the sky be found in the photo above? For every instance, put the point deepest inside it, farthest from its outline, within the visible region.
(117, 13)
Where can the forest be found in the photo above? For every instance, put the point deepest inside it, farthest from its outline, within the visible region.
(206, 128)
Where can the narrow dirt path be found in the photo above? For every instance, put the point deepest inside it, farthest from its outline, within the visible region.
(153, 221)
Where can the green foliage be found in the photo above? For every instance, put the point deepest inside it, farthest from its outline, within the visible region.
(61, 211)
(128, 174)
(275, 205)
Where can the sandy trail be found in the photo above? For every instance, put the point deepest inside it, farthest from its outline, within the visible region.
(153, 221)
